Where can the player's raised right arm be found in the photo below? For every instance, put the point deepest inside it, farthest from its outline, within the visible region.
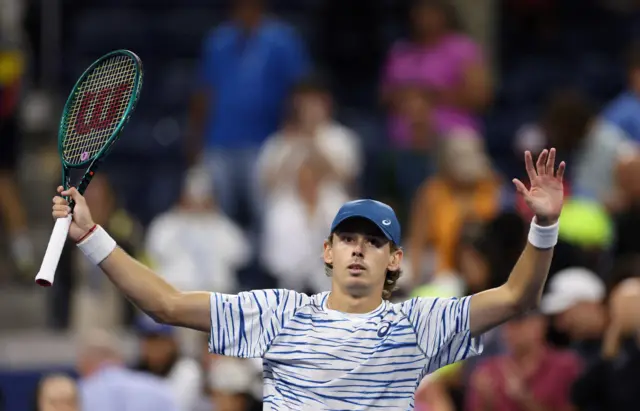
(140, 285)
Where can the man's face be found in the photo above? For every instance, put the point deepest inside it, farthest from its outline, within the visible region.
(58, 394)
(312, 108)
(428, 20)
(157, 350)
(581, 320)
(247, 11)
(360, 255)
(523, 334)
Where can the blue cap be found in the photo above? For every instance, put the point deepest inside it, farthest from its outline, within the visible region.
(378, 213)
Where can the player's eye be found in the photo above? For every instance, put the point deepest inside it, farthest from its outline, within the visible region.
(347, 238)
(376, 242)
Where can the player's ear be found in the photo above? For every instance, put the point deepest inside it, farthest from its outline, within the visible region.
(327, 254)
(395, 260)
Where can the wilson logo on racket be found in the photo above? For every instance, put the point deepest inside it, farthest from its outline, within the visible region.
(98, 121)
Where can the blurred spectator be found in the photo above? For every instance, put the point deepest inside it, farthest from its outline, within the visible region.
(205, 361)
(248, 68)
(574, 303)
(235, 384)
(432, 84)
(627, 214)
(107, 385)
(310, 127)
(531, 376)
(196, 246)
(624, 110)
(484, 257)
(12, 71)
(160, 355)
(57, 392)
(440, 73)
(611, 381)
(465, 189)
(83, 297)
(296, 219)
(590, 144)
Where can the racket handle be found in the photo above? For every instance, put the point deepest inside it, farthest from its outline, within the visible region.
(54, 251)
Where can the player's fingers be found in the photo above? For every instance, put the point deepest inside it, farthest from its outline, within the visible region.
(560, 173)
(59, 200)
(74, 194)
(60, 189)
(61, 208)
(60, 213)
(551, 161)
(528, 163)
(541, 167)
(520, 187)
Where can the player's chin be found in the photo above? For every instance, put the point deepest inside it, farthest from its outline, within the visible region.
(357, 285)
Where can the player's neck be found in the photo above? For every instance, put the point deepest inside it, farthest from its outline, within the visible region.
(352, 305)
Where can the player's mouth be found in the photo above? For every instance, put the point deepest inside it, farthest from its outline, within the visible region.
(356, 269)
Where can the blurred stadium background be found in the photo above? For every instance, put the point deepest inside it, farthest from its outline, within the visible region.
(258, 118)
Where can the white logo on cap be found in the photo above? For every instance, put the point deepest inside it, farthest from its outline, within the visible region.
(386, 222)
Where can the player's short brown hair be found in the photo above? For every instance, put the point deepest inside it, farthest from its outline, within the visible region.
(391, 278)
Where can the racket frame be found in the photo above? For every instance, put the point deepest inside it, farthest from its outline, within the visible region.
(58, 237)
(91, 164)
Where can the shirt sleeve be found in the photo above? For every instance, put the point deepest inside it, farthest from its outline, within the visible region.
(244, 325)
(442, 329)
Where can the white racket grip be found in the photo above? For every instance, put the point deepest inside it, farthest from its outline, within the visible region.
(54, 251)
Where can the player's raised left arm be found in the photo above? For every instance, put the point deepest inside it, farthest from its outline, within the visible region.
(523, 289)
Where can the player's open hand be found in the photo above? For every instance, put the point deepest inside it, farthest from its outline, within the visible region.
(82, 221)
(546, 194)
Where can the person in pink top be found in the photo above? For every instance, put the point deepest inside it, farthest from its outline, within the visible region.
(436, 81)
(530, 376)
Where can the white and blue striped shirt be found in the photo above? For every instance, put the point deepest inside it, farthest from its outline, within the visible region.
(315, 358)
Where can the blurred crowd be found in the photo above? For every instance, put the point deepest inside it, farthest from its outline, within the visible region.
(270, 155)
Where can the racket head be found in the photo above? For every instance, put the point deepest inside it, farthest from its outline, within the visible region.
(98, 107)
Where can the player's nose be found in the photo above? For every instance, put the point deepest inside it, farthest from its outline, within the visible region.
(358, 248)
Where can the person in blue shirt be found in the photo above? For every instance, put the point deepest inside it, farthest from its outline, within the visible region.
(248, 66)
(106, 383)
(624, 110)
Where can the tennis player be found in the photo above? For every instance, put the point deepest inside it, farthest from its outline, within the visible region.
(349, 348)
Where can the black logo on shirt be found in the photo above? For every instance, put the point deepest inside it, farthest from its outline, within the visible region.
(384, 328)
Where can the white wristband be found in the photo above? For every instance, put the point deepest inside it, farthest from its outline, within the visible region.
(98, 245)
(543, 237)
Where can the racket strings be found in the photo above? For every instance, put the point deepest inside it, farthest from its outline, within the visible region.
(86, 129)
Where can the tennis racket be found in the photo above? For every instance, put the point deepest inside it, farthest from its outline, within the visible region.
(94, 115)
